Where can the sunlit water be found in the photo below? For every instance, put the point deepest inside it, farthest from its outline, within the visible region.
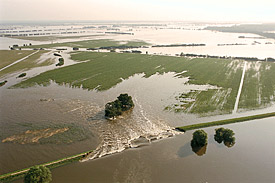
(168, 160)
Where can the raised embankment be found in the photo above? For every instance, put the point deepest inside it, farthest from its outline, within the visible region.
(52, 164)
(224, 122)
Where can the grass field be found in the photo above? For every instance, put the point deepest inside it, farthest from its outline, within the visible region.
(10, 56)
(224, 122)
(90, 44)
(26, 64)
(105, 70)
(259, 85)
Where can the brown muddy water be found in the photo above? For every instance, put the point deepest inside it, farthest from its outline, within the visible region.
(250, 160)
(146, 158)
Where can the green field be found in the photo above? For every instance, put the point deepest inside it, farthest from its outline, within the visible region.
(104, 70)
(26, 64)
(259, 85)
(10, 56)
(90, 44)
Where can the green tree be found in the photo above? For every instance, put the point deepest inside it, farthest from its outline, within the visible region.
(199, 139)
(219, 135)
(225, 135)
(38, 174)
(126, 101)
(113, 109)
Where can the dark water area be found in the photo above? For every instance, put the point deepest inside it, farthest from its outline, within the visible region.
(146, 158)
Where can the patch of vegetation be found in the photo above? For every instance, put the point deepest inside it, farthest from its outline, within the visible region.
(259, 86)
(38, 174)
(199, 139)
(115, 108)
(26, 64)
(3, 83)
(90, 44)
(60, 62)
(225, 135)
(224, 122)
(22, 75)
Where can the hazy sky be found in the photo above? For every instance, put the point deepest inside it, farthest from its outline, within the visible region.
(178, 10)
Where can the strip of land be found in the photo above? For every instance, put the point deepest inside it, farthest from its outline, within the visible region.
(53, 164)
(224, 122)
(240, 90)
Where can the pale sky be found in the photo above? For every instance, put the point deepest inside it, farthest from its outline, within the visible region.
(139, 10)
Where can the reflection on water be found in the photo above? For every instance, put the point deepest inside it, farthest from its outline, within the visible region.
(199, 150)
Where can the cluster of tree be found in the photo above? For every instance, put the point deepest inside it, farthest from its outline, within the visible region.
(269, 59)
(123, 103)
(56, 54)
(38, 174)
(22, 75)
(199, 141)
(225, 135)
(118, 47)
(179, 45)
(3, 83)
(61, 62)
(199, 138)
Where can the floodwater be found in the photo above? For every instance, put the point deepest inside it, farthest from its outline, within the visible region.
(250, 160)
(142, 145)
(170, 33)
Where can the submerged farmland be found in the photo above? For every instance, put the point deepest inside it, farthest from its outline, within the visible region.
(102, 71)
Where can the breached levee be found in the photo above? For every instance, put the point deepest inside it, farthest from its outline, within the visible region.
(132, 130)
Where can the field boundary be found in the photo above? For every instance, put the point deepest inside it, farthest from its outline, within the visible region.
(224, 122)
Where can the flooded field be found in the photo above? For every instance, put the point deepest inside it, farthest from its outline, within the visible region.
(60, 112)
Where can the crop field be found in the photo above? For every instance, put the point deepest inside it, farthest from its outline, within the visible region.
(10, 56)
(90, 44)
(28, 63)
(259, 85)
(104, 70)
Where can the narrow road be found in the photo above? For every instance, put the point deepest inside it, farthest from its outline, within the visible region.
(20, 60)
(240, 90)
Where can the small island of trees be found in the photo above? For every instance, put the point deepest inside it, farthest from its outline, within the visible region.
(123, 103)
(199, 142)
(225, 135)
